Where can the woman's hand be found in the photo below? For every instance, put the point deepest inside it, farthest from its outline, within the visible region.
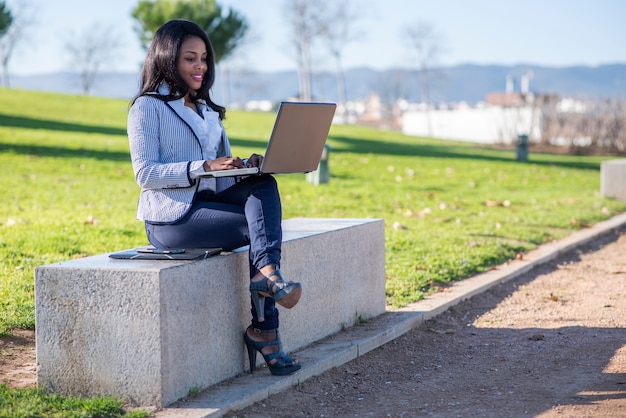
(255, 160)
(223, 163)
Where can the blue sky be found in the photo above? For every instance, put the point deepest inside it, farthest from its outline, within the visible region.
(541, 32)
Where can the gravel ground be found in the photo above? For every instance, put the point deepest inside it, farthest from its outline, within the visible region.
(551, 343)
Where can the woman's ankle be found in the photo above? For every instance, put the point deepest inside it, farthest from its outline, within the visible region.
(264, 271)
(260, 335)
(268, 269)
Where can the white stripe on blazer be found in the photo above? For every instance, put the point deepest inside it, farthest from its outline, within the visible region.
(163, 145)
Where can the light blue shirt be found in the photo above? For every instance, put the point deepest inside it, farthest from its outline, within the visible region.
(210, 134)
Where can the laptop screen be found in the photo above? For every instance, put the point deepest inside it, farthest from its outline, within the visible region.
(298, 138)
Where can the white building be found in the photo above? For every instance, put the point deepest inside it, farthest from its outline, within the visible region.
(487, 124)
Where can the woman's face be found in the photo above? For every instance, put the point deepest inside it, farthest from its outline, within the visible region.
(192, 61)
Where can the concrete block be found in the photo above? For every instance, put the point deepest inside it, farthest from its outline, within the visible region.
(150, 331)
(613, 179)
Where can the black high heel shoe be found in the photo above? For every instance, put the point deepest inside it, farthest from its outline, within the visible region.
(286, 294)
(283, 365)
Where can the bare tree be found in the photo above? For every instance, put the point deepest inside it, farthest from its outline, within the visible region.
(89, 50)
(337, 32)
(12, 34)
(307, 21)
(426, 42)
(585, 125)
(615, 125)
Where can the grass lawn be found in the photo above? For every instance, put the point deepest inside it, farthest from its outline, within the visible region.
(34, 403)
(451, 209)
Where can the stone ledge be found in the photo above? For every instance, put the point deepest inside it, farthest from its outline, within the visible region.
(151, 331)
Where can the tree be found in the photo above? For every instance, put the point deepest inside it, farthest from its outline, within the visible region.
(89, 50)
(226, 30)
(12, 27)
(337, 32)
(426, 43)
(6, 18)
(307, 21)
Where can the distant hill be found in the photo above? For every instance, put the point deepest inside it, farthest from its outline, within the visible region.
(114, 85)
(468, 83)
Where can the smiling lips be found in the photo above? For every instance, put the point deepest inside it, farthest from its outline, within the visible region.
(197, 77)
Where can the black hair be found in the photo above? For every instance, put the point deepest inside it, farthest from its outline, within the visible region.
(160, 64)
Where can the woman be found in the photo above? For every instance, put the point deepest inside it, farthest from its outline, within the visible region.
(176, 133)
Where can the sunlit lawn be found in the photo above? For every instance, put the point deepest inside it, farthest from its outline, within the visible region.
(450, 209)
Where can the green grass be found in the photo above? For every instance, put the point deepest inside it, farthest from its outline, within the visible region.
(451, 209)
(36, 403)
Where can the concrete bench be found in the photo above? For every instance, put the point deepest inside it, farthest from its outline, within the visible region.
(151, 331)
(613, 179)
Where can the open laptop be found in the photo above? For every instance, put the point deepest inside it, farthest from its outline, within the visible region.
(297, 141)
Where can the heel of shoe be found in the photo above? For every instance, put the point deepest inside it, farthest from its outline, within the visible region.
(251, 355)
(258, 301)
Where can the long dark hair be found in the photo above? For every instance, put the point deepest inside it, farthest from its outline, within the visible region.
(160, 64)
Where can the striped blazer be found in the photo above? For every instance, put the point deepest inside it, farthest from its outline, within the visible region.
(164, 147)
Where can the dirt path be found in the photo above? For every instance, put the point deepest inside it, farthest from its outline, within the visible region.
(551, 343)
(18, 363)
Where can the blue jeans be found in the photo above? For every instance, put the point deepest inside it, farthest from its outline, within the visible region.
(249, 212)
